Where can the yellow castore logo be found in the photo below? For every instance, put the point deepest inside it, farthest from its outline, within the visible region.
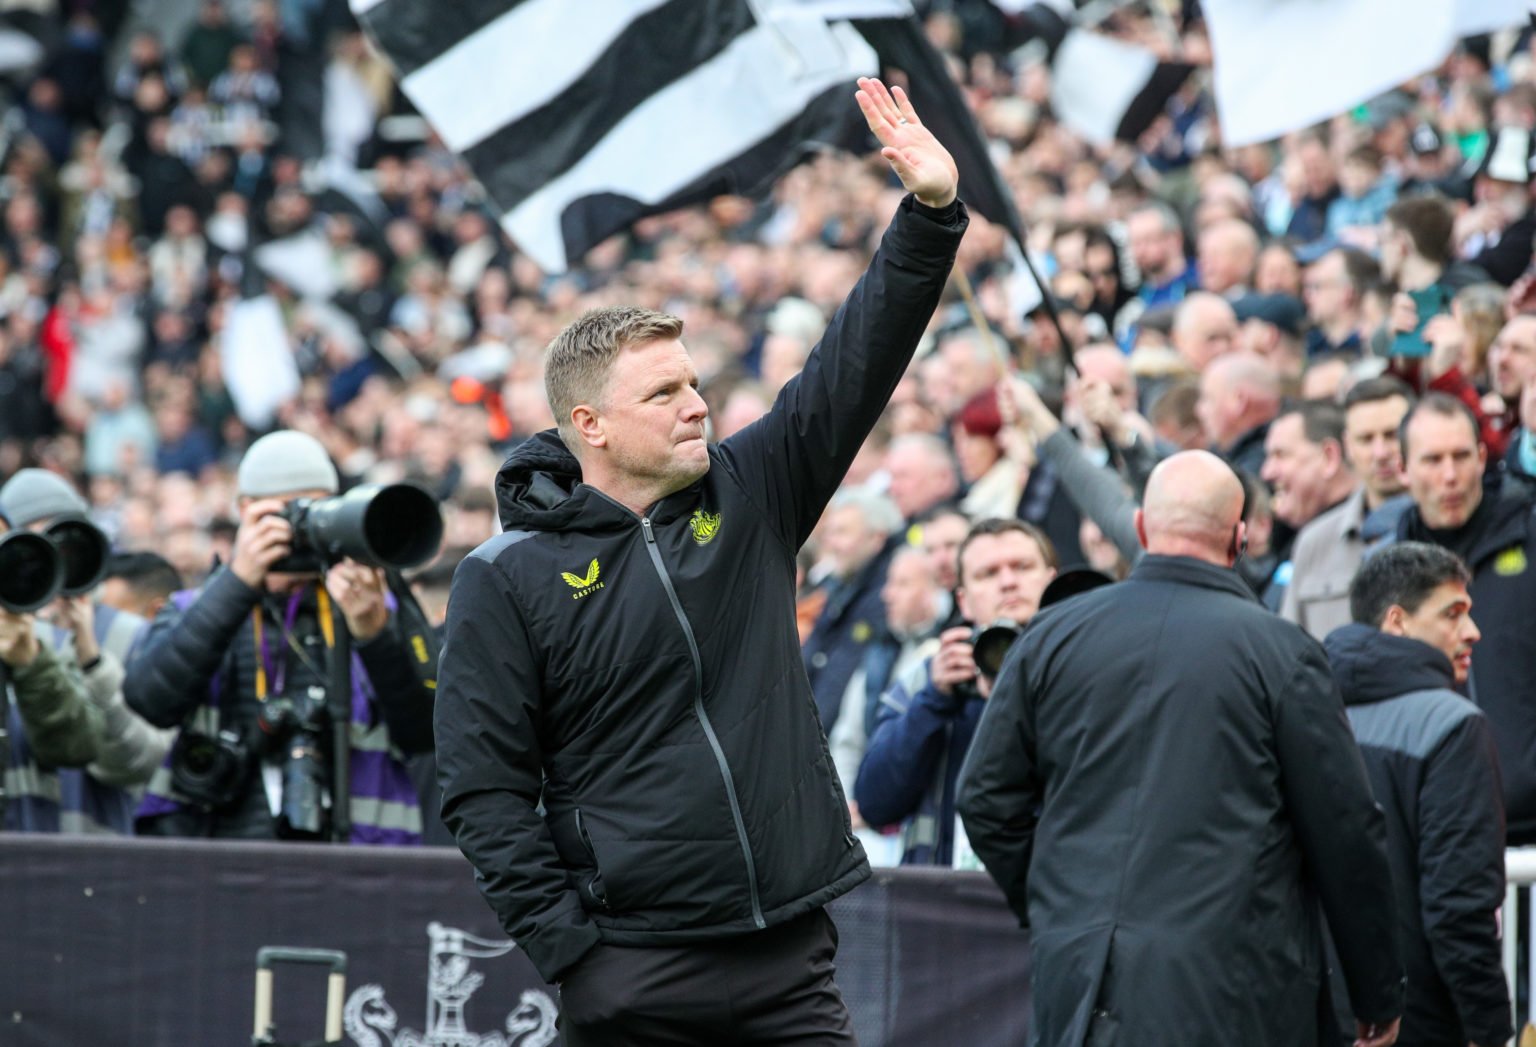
(1510, 562)
(705, 526)
(586, 584)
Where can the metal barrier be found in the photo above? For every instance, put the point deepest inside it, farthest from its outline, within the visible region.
(1520, 876)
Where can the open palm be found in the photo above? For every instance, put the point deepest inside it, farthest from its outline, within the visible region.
(924, 166)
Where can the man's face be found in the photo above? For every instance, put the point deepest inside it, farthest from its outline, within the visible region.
(1219, 409)
(1443, 468)
(1222, 260)
(1444, 621)
(909, 593)
(970, 371)
(1371, 444)
(1002, 577)
(653, 416)
(918, 480)
(1326, 290)
(1110, 367)
(848, 541)
(941, 541)
(1298, 471)
(1211, 332)
(1152, 246)
(116, 593)
(1512, 358)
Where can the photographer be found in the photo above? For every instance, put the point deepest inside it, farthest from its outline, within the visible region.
(48, 720)
(93, 639)
(927, 717)
(247, 665)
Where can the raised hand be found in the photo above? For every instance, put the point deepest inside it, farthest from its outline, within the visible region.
(924, 166)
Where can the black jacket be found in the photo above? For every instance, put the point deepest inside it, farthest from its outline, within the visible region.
(1498, 543)
(641, 678)
(1430, 757)
(1247, 451)
(1165, 786)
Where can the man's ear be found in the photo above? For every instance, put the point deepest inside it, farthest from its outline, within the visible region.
(1392, 621)
(1141, 528)
(588, 424)
(1333, 454)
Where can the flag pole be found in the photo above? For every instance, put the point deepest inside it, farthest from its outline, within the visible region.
(979, 320)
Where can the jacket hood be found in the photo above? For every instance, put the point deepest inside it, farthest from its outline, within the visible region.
(1372, 666)
(539, 488)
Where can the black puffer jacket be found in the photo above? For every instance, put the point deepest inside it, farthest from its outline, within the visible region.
(1498, 543)
(642, 677)
(1430, 757)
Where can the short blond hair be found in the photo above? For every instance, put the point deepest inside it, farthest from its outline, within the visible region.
(577, 362)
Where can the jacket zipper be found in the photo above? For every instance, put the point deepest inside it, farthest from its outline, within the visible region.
(703, 717)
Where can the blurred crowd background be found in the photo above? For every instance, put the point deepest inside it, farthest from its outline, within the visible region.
(144, 170)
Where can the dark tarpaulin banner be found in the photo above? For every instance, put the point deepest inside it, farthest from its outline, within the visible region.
(149, 943)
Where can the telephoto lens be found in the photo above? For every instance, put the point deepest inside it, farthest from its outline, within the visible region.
(381, 525)
(31, 572)
(84, 549)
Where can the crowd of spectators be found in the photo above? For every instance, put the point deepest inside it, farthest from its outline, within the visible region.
(1284, 305)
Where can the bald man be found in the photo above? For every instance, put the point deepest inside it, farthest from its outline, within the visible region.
(1204, 328)
(1228, 251)
(1239, 397)
(1165, 787)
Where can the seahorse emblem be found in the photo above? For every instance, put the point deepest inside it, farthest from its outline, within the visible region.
(705, 526)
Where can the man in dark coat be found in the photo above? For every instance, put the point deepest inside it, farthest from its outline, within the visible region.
(1165, 786)
(1430, 756)
(861, 532)
(1493, 530)
(628, 752)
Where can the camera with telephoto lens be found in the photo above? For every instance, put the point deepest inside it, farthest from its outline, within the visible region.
(295, 727)
(990, 644)
(210, 770)
(69, 557)
(381, 525)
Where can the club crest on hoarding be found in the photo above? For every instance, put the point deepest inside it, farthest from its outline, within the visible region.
(371, 1022)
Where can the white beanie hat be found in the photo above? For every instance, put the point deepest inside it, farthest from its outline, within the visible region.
(284, 462)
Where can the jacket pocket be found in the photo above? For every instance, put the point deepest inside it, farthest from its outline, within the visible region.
(590, 882)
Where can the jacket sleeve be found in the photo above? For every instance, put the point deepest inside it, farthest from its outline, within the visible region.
(1098, 493)
(792, 459)
(1461, 876)
(169, 673)
(902, 754)
(403, 695)
(131, 747)
(490, 766)
(999, 792)
(1341, 831)
(63, 728)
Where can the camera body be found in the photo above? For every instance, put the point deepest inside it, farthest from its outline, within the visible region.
(210, 769)
(295, 727)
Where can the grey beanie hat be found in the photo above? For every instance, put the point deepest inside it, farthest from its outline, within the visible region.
(37, 494)
(284, 462)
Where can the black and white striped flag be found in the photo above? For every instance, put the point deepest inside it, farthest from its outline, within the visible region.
(1102, 88)
(580, 118)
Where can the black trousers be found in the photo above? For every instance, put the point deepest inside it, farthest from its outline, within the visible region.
(769, 987)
